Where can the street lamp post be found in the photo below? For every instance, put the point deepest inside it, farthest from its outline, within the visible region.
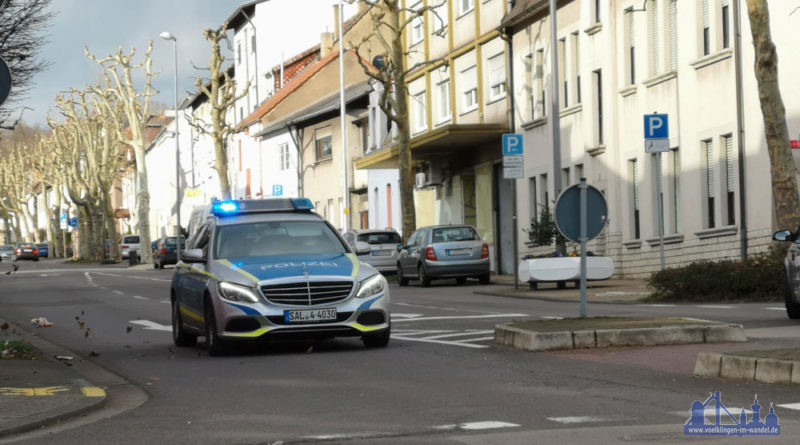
(168, 36)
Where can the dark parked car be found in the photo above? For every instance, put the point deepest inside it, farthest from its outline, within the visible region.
(451, 251)
(166, 252)
(43, 250)
(27, 251)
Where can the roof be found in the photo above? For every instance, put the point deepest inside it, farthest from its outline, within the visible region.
(524, 10)
(318, 108)
(241, 14)
(297, 58)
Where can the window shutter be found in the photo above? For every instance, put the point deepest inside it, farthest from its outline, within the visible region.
(635, 172)
(706, 18)
(729, 163)
(497, 70)
(673, 34)
(655, 37)
(711, 176)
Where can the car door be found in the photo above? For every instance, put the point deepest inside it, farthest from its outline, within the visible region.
(414, 251)
(195, 278)
(404, 258)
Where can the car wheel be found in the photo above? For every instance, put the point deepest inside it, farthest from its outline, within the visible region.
(461, 280)
(379, 340)
(213, 342)
(401, 279)
(424, 280)
(792, 308)
(179, 336)
(484, 279)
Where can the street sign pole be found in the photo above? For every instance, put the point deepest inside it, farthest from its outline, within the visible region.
(513, 169)
(660, 193)
(656, 140)
(583, 247)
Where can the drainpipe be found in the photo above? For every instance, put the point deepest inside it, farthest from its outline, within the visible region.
(737, 59)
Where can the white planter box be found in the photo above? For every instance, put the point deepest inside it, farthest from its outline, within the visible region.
(565, 269)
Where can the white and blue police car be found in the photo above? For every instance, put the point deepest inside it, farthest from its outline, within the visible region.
(273, 269)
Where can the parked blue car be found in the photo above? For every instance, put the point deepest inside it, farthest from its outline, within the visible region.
(43, 251)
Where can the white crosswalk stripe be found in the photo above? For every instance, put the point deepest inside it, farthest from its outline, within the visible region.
(465, 339)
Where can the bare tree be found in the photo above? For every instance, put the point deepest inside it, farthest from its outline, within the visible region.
(22, 27)
(118, 71)
(785, 197)
(388, 31)
(220, 89)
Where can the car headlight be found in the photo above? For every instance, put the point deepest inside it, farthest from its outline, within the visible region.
(235, 292)
(371, 285)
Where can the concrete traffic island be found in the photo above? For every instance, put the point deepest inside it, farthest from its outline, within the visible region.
(603, 332)
(764, 366)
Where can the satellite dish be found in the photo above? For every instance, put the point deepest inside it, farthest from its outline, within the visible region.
(377, 62)
(5, 80)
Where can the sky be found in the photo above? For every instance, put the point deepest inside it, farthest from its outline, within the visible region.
(105, 25)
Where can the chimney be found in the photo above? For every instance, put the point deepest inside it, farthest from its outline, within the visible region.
(326, 44)
(335, 22)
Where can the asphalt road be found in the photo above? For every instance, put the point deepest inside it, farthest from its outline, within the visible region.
(438, 381)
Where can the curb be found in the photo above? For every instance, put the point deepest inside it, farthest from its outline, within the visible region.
(752, 369)
(507, 335)
(551, 299)
(54, 415)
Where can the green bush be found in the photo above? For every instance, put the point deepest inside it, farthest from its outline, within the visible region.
(760, 278)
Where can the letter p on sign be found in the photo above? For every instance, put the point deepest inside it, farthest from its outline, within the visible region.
(512, 144)
(656, 126)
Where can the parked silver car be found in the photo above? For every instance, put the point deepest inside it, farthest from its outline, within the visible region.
(445, 251)
(378, 248)
(6, 251)
(129, 243)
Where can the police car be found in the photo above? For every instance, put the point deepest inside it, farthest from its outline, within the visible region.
(272, 269)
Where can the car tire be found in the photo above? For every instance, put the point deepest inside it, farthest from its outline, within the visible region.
(401, 279)
(461, 280)
(792, 308)
(179, 336)
(484, 279)
(424, 280)
(379, 340)
(36, 259)
(214, 344)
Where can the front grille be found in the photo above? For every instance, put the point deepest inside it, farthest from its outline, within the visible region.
(307, 293)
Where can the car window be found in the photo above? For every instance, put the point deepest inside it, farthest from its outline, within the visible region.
(130, 239)
(412, 239)
(380, 238)
(446, 234)
(276, 238)
(421, 236)
(202, 238)
(171, 242)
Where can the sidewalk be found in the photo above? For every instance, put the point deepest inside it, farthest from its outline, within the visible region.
(42, 392)
(607, 291)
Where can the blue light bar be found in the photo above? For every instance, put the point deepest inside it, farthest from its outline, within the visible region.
(225, 207)
(302, 204)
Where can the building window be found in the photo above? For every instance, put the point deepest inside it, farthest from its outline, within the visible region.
(673, 34)
(630, 47)
(283, 149)
(534, 199)
(238, 52)
(364, 136)
(324, 147)
(633, 173)
(726, 31)
(497, 76)
(655, 37)
(575, 67)
(253, 42)
(598, 96)
(596, 7)
(730, 180)
(331, 213)
(419, 107)
(706, 29)
(443, 89)
(388, 206)
(544, 192)
(538, 90)
(710, 182)
(562, 72)
(465, 6)
(470, 89)
(417, 25)
(565, 178)
(579, 172)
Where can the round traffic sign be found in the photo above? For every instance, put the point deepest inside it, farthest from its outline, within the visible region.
(5, 80)
(568, 212)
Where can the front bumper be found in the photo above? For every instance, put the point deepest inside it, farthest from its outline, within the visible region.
(266, 320)
(453, 269)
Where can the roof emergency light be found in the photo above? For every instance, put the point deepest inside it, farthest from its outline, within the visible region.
(245, 206)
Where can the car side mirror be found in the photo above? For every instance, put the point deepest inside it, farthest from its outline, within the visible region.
(784, 235)
(193, 256)
(362, 248)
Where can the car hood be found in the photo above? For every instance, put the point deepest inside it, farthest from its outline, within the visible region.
(282, 266)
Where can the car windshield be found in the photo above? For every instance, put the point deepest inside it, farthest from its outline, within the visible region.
(171, 242)
(446, 234)
(276, 238)
(380, 238)
(131, 239)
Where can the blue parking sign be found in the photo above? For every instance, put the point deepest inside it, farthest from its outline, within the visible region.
(277, 190)
(656, 126)
(512, 144)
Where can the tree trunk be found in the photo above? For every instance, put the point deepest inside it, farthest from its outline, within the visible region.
(784, 171)
(143, 205)
(30, 235)
(221, 164)
(408, 211)
(58, 242)
(17, 228)
(48, 222)
(111, 226)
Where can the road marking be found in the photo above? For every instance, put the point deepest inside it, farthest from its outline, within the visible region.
(459, 334)
(165, 301)
(794, 406)
(118, 292)
(138, 297)
(445, 308)
(656, 305)
(474, 426)
(45, 391)
(151, 325)
(711, 411)
(775, 309)
(463, 344)
(462, 317)
(405, 315)
(551, 317)
(418, 332)
(135, 277)
(715, 306)
(581, 419)
(93, 391)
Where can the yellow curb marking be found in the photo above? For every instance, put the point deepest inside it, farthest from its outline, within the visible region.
(46, 391)
(93, 391)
